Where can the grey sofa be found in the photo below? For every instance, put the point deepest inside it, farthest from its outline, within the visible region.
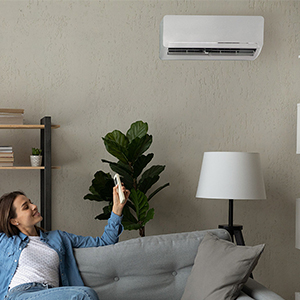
(151, 268)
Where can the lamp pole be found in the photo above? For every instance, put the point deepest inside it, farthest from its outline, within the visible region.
(235, 231)
(230, 213)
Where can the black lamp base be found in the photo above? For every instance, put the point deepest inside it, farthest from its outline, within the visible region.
(235, 231)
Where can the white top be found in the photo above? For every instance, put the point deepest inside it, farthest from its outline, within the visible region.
(38, 263)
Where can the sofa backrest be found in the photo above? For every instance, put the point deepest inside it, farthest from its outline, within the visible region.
(148, 268)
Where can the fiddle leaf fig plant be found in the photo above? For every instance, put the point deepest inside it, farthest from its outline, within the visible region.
(129, 149)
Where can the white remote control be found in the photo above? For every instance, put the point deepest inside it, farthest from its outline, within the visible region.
(117, 181)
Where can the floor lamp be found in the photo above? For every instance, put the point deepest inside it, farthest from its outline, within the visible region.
(233, 176)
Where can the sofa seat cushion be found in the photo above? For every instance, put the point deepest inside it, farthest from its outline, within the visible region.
(220, 270)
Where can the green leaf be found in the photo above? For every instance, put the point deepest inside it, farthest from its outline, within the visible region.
(116, 144)
(102, 185)
(150, 216)
(128, 216)
(100, 180)
(93, 197)
(150, 177)
(106, 213)
(102, 217)
(131, 226)
(140, 202)
(138, 146)
(130, 204)
(157, 190)
(147, 183)
(118, 137)
(93, 191)
(119, 167)
(152, 172)
(137, 129)
(129, 221)
(141, 163)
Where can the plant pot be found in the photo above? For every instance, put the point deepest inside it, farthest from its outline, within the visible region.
(36, 160)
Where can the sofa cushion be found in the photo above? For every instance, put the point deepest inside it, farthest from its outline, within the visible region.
(220, 270)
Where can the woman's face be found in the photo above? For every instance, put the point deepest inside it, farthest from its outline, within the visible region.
(27, 214)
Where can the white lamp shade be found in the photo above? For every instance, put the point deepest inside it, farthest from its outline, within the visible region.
(298, 129)
(231, 175)
(297, 223)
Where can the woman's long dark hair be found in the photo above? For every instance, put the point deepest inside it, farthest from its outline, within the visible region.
(7, 212)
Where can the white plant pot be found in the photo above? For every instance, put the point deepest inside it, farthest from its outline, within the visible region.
(36, 160)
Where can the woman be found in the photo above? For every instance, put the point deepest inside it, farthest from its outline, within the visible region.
(41, 265)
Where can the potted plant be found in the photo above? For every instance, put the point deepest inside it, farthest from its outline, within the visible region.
(129, 149)
(36, 157)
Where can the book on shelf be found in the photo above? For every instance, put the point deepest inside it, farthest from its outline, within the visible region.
(10, 116)
(6, 149)
(6, 154)
(6, 159)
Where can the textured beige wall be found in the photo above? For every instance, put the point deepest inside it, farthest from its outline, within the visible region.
(94, 67)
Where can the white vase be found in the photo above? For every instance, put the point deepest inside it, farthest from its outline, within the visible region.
(36, 160)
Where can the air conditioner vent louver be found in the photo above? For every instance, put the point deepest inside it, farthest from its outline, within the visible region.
(211, 51)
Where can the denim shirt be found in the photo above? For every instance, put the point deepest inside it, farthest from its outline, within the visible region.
(63, 243)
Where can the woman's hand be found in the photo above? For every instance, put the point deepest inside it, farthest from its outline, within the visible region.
(117, 206)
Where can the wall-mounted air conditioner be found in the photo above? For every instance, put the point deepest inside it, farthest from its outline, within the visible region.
(196, 37)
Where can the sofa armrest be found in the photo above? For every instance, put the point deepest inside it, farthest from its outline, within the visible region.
(259, 292)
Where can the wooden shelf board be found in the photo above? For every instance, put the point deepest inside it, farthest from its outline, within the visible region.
(26, 168)
(26, 126)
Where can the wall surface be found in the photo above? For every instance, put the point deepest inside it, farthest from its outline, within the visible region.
(94, 67)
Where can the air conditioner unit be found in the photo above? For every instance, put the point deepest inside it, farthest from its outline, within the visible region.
(196, 37)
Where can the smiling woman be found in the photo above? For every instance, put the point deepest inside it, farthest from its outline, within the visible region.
(27, 215)
(42, 264)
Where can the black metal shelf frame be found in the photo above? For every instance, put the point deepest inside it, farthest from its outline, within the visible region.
(45, 174)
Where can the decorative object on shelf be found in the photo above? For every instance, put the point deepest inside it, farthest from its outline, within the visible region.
(36, 157)
(6, 156)
(231, 175)
(11, 116)
(128, 149)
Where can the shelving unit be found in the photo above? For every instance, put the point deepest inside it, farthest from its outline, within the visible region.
(46, 168)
